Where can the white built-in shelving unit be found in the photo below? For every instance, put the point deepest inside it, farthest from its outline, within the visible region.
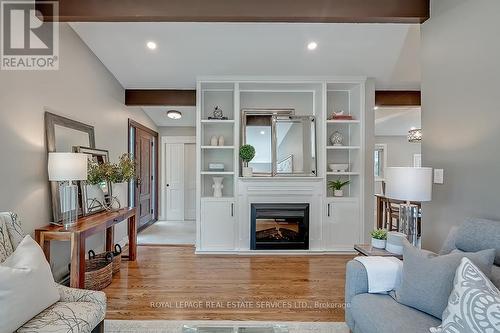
(223, 223)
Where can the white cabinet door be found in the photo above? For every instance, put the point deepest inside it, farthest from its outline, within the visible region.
(218, 225)
(342, 225)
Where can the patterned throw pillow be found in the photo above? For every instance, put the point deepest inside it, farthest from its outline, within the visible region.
(474, 304)
(5, 245)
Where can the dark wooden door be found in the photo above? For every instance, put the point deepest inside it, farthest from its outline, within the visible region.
(144, 152)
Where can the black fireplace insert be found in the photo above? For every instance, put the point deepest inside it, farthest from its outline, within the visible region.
(280, 226)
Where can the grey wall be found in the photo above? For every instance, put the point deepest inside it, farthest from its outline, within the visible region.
(369, 183)
(82, 89)
(461, 113)
(399, 150)
(177, 131)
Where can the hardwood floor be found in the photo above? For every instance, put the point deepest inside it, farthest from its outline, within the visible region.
(172, 283)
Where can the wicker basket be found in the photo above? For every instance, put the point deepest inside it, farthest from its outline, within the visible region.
(98, 270)
(117, 258)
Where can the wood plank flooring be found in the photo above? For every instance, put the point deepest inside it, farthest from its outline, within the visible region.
(172, 283)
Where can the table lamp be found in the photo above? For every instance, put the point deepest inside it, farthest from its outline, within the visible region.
(67, 168)
(409, 184)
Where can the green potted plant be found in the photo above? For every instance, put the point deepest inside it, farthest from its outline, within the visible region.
(247, 153)
(119, 174)
(379, 238)
(337, 185)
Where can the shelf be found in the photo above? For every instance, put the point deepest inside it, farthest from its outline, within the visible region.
(339, 121)
(217, 147)
(217, 172)
(342, 173)
(331, 198)
(216, 121)
(210, 198)
(342, 147)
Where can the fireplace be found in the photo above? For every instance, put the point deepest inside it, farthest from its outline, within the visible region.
(280, 226)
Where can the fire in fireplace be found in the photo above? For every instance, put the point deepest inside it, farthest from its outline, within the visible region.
(280, 226)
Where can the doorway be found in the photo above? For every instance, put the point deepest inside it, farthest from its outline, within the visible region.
(177, 222)
(143, 145)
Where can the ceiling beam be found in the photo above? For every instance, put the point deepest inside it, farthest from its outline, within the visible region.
(397, 98)
(178, 97)
(160, 97)
(309, 11)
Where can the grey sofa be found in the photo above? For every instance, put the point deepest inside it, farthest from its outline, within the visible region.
(374, 313)
(78, 311)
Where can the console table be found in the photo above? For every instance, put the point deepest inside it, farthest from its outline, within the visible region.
(85, 227)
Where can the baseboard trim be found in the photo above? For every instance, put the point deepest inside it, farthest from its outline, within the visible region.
(276, 252)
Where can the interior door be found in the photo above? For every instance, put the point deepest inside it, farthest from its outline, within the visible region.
(190, 181)
(144, 152)
(175, 181)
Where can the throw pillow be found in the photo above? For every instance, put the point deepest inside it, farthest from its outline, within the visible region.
(473, 305)
(26, 285)
(427, 278)
(5, 244)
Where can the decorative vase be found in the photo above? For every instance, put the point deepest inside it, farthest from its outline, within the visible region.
(213, 140)
(378, 243)
(94, 198)
(120, 195)
(338, 193)
(221, 140)
(337, 139)
(217, 186)
(218, 114)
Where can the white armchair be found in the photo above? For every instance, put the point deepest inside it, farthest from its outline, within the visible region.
(78, 310)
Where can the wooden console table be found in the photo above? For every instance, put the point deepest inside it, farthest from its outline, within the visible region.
(85, 227)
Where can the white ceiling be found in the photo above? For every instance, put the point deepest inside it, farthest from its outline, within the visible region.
(159, 115)
(396, 121)
(387, 52)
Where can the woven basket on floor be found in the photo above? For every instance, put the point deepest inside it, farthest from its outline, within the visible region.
(117, 258)
(98, 270)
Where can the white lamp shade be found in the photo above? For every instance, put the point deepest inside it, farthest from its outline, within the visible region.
(409, 184)
(67, 166)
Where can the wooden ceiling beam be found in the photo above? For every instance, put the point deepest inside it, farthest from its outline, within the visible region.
(160, 97)
(397, 98)
(294, 11)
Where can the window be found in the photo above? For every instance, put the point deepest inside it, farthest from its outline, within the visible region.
(380, 160)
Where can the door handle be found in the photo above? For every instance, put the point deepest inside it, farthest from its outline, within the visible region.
(232, 209)
(168, 185)
(328, 210)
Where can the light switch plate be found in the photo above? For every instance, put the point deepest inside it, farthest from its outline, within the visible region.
(438, 176)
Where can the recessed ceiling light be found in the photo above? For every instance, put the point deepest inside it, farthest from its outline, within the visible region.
(262, 132)
(312, 46)
(174, 114)
(375, 107)
(151, 45)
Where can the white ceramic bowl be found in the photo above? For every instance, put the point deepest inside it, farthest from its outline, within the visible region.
(338, 167)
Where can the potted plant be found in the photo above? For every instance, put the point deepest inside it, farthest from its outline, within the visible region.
(337, 185)
(94, 185)
(119, 174)
(247, 153)
(379, 238)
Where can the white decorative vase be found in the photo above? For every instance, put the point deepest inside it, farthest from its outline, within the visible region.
(217, 186)
(378, 243)
(338, 193)
(247, 171)
(221, 140)
(213, 141)
(120, 195)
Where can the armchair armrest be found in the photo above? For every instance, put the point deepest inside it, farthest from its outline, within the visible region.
(356, 282)
(81, 295)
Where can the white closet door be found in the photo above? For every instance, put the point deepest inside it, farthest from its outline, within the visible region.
(190, 181)
(175, 181)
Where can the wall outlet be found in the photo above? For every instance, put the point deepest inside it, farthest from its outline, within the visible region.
(438, 176)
